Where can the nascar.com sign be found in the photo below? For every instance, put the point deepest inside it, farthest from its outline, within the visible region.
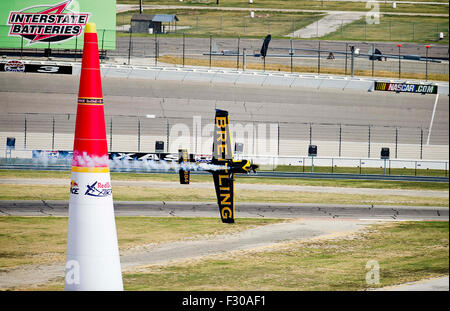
(55, 23)
(406, 87)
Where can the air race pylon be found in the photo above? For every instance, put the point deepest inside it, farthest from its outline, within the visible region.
(92, 258)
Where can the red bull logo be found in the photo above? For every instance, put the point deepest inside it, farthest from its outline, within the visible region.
(74, 189)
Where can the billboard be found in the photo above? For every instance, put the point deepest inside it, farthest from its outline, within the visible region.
(56, 24)
(406, 87)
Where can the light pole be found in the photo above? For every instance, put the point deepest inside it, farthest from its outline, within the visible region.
(426, 63)
(399, 62)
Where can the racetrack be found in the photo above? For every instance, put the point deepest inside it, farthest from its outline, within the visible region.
(28, 93)
(209, 209)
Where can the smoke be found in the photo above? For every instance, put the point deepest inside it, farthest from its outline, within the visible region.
(51, 160)
(161, 165)
(85, 160)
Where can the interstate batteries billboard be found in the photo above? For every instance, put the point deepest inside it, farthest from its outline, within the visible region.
(58, 24)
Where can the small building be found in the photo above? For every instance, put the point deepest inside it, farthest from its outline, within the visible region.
(158, 23)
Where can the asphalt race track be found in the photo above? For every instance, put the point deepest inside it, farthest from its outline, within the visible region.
(209, 209)
(34, 93)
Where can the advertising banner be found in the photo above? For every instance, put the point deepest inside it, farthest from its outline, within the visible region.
(56, 24)
(406, 87)
(20, 66)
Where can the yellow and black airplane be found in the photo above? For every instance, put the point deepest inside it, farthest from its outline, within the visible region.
(226, 167)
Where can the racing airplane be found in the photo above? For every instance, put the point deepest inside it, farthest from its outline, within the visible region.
(225, 166)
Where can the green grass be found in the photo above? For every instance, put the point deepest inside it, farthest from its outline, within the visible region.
(303, 4)
(231, 24)
(42, 240)
(394, 28)
(405, 252)
(191, 194)
(203, 23)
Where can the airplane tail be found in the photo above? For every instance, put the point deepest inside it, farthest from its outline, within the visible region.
(185, 175)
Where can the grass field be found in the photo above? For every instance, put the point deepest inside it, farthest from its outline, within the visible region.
(136, 193)
(395, 28)
(231, 24)
(202, 23)
(304, 5)
(42, 240)
(4, 174)
(405, 252)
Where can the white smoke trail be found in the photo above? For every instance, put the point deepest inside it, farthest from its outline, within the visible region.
(161, 165)
(45, 160)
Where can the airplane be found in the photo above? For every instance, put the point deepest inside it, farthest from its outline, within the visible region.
(225, 166)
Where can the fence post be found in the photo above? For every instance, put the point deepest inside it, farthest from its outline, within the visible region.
(184, 35)
(129, 47)
(139, 134)
(210, 50)
(373, 59)
(25, 134)
(340, 139)
(168, 135)
(310, 133)
(53, 132)
(421, 142)
(346, 48)
(156, 49)
(76, 46)
(396, 141)
(369, 144)
(291, 53)
(278, 147)
(238, 51)
(318, 60)
(103, 40)
(21, 47)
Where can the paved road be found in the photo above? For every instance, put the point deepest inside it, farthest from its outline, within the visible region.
(209, 209)
(32, 93)
(435, 284)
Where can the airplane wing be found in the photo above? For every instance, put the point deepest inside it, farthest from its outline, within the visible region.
(224, 184)
(222, 138)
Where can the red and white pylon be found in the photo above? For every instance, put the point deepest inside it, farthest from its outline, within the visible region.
(92, 258)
